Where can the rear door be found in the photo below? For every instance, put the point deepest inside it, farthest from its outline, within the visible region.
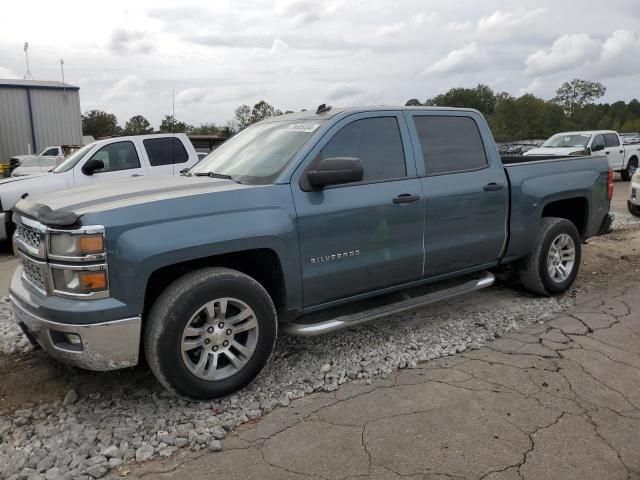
(166, 156)
(614, 151)
(466, 195)
(360, 237)
(121, 160)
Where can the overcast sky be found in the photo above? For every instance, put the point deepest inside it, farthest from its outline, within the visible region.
(126, 57)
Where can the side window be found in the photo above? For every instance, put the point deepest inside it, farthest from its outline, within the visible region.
(117, 156)
(51, 152)
(165, 151)
(599, 140)
(450, 144)
(611, 140)
(376, 142)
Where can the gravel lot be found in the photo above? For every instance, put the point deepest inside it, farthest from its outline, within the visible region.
(123, 418)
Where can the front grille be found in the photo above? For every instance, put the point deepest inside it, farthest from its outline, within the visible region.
(33, 273)
(28, 235)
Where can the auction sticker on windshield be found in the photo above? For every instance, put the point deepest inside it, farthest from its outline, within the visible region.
(303, 127)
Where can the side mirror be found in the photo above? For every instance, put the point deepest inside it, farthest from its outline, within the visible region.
(334, 171)
(92, 166)
(598, 147)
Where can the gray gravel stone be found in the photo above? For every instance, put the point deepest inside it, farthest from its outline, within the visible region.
(140, 423)
(70, 398)
(215, 445)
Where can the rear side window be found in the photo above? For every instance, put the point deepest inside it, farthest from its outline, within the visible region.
(51, 152)
(165, 151)
(376, 142)
(611, 140)
(450, 144)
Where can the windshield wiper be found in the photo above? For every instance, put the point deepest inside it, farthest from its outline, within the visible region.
(213, 175)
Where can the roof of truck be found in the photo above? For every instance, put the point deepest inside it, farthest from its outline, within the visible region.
(586, 132)
(333, 111)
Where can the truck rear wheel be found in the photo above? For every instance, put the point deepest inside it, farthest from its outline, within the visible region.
(633, 209)
(210, 333)
(553, 264)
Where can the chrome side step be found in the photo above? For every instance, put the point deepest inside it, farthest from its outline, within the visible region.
(310, 329)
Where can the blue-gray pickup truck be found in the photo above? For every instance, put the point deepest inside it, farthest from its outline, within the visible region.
(282, 225)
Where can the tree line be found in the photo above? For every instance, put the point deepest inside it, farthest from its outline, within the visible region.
(510, 117)
(99, 124)
(530, 117)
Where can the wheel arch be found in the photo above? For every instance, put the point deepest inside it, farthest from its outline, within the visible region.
(574, 209)
(261, 264)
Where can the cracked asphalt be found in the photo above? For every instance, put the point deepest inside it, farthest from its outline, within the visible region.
(556, 400)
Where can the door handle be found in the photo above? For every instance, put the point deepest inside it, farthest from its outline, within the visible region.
(607, 153)
(492, 187)
(621, 151)
(136, 175)
(406, 198)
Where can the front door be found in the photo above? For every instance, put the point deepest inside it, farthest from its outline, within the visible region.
(121, 160)
(360, 237)
(466, 196)
(614, 151)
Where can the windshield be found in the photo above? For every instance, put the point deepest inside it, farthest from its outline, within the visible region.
(565, 140)
(258, 154)
(39, 162)
(72, 159)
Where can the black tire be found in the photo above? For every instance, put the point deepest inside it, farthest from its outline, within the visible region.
(534, 273)
(175, 307)
(628, 172)
(633, 209)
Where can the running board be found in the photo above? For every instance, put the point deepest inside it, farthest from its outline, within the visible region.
(310, 328)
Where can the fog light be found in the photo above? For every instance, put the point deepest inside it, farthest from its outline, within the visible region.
(73, 338)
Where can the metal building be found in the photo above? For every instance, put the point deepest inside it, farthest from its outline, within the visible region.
(35, 114)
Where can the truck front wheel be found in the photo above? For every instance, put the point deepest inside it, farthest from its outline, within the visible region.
(210, 333)
(553, 264)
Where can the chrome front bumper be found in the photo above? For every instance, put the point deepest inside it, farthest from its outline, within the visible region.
(99, 346)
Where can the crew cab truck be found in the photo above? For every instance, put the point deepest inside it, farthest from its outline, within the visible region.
(622, 157)
(283, 223)
(99, 162)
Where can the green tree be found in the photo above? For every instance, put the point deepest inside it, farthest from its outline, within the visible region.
(206, 129)
(137, 125)
(100, 124)
(242, 117)
(262, 110)
(577, 93)
(170, 125)
(481, 98)
(413, 102)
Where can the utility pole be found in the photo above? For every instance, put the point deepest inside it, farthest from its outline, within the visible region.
(27, 76)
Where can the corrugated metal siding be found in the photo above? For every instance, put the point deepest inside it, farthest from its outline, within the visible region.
(15, 129)
(56, 118)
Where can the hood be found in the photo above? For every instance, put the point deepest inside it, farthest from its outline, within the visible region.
(553, 151)
(22, 157)
(22, 171)
(64, 208)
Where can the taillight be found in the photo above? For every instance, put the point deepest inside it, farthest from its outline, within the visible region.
(610, 184)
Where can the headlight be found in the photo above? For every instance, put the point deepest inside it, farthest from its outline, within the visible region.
(580, 153)
(76, 245)
(79, 281)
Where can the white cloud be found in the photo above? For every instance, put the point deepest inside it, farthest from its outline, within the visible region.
(502, 25)
(391, 29)
(458, 27)
(123, 42)
(534, 87)
(7, 73)
(566, 53)
(279, 47)
(124, 89)
(466, 59)
(620, 54)
(191, 96)
(342, 91)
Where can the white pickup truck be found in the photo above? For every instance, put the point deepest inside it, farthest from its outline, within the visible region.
(99, 162)
(622, 158)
